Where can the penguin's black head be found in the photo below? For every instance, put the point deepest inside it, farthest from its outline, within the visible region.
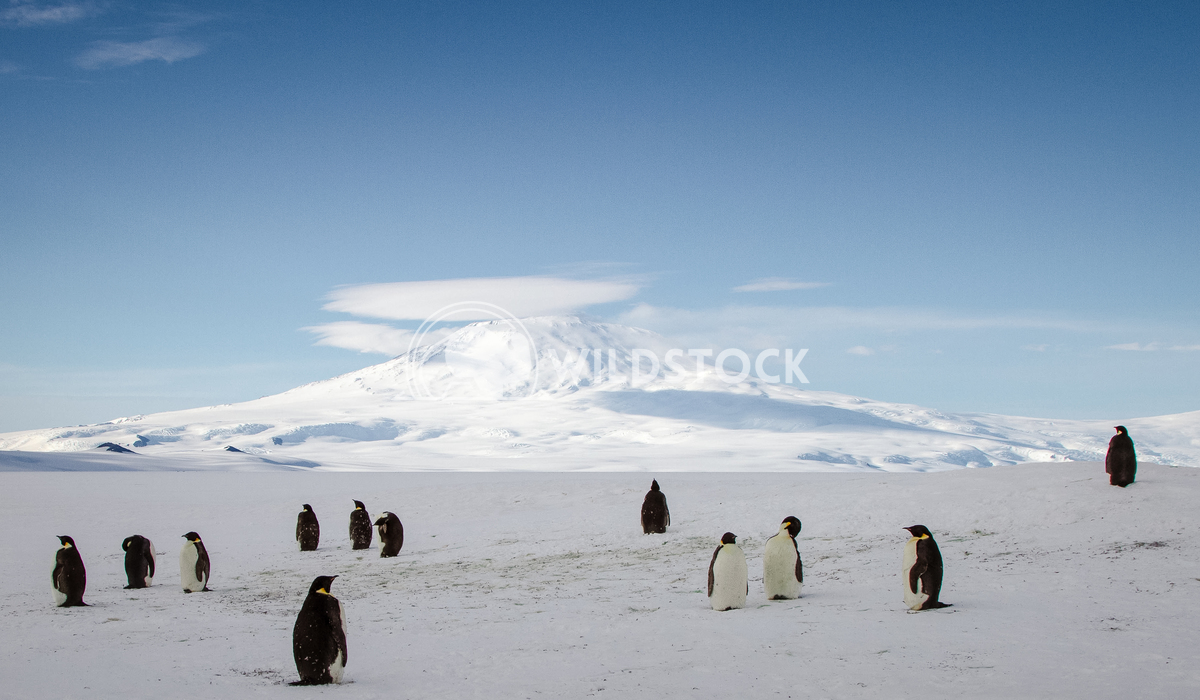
(654, 485)
(192, 537)
(383, 518)
(1122, 430)
(321, 584)
(793, 525)
(729, 538)
(919, 531)
(125, 545)
(359, 505)
(307, 508)
(66, 541)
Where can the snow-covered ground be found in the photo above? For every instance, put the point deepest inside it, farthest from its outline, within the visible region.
(471, 401)
(518, 585)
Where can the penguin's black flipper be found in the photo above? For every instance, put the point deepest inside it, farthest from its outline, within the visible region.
(713, 563)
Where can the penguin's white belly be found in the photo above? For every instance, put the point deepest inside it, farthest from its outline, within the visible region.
(149, 576)
(729, 579)
(779, 568)
(913, 599)
(59, 597)
(337, 668)
(188, 556)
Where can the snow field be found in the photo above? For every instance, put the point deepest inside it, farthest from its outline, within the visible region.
(542, 585)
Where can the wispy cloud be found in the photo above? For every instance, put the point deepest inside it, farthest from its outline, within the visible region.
(8, 68)
(1036, 348)
(1153, 347)
(777, 284)
(176, 21)
(774, 326)
(860, 350)
(32, 14)
(113, 54)
(884, 318)
(520, 296)
(363, 337)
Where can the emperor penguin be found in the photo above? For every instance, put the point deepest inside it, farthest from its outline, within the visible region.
(308, 530)
(655, 516)
(69, 578)
(193, 564)
(1121, 460)
(319, 637)
(783, 573)
(360, 526)
(391, 534)
(922, 570)
(139, 561)
(727, 578)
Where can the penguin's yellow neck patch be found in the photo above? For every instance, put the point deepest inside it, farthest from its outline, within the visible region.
(66, 545)
(923, 537)
(322, 591)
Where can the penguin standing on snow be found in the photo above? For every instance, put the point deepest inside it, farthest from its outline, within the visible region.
(655, 516)
(922, 570)
(69, 578)
(727, 578)
(308, 530)
(193, 564)
(360, 526)
(319, 637)
(139, 561)
(1121, 461)
(391, 534)
(783, 573)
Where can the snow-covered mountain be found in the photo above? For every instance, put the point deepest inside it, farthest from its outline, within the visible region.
(563, 393)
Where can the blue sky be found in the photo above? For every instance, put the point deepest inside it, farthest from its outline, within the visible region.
(1001, 203)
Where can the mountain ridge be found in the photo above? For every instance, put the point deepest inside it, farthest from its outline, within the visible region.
(565, 393)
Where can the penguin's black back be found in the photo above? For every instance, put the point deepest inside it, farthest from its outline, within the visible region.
(317, 638)
(69, 576)
(139, 561)
(655, 516)
(308, 530)
(203, 566)
(391, 534)
(361, 532)
(1121, 461)
(928, 569)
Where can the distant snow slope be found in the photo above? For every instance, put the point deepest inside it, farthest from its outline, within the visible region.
(528, 585)
(557, 395)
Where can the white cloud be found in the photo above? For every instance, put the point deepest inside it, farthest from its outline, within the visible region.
(29, 14)
(834, 317)
(112, 54)
(7, 67)
(363, 337)
(519, 296)
(860, 350)
(777, 284)
(1152, 347)
(1135, 347)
